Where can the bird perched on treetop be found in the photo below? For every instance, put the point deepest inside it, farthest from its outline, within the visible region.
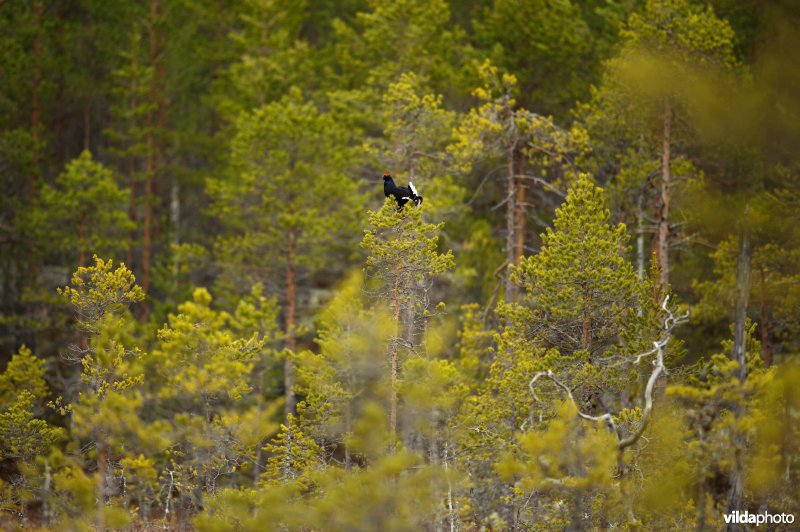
(401, 194)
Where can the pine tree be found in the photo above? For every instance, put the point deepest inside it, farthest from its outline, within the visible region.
(105, 412)
(579, 317)
(288, 207)
(347, 375)
(566, 461)
(273, 56)
(499, 131)
(395, 38)
(403, 258)
(84, 210)
(719, 414)
(646, 97)
(417, 130)
(548, 45)
(580, 292)
(24, 435)
(199, 376)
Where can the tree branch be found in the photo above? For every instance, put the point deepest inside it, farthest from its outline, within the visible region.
(670, 322)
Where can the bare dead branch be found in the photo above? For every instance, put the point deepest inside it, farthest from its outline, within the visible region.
(670, 322)
(543, 183)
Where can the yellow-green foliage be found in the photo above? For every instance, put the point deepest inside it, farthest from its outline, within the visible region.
(350, 368)
(279, 212)
(294, 457)
(475, 343)
(480, 361)
(23, 436)
(545, 43)
(84, 211)
(417, 132)
(775, 276)
(666, 491)
(498, 126)
(580, 279)
(24, 373)
(725, 419)
(432, 392)
(402, 246)
(423, 43)
(772, 465)
(99, 297)
(394, 493)
(568, 452)
(97, 292)
(200, 376)
(79, 490)
(201, 356)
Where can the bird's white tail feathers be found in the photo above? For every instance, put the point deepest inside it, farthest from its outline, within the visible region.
(415, 195)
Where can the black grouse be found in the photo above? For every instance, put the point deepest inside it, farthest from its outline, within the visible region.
(401, 194)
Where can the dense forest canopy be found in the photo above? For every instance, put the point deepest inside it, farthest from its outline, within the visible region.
(212, 318)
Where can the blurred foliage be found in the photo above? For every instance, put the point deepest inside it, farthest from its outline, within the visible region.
(185, 187)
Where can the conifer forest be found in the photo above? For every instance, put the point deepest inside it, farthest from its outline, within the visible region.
(574, 306)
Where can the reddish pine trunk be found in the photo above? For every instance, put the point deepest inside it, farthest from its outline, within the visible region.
(511, 222)
(87, 124)
(59, 118)
(148, 221)
(154, 101)
(36, 106)
(133, 201)
(586, 333)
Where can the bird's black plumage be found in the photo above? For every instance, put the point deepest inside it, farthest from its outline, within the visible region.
(402, 194)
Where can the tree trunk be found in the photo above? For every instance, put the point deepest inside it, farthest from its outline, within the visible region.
(640, 255)
(132, 209)
(133, 202)
(521, 219)
(766, 346)
(59, 118)
(36, 105)
(734, 502)
(663, 214)
(175, 219)
(348, 429)
(154, 101)
(82, 239)
(291, 333)
(102, 458)
(742, 299)
(259, 389)
(511, 219)
(393, 363)
(48, 478)
(701, 505)
(87, 125)
(148, 222)
(586, 332)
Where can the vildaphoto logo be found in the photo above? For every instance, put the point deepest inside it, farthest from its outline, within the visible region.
(764, 518)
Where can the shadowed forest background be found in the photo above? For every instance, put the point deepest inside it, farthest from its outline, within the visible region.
(211, 319)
